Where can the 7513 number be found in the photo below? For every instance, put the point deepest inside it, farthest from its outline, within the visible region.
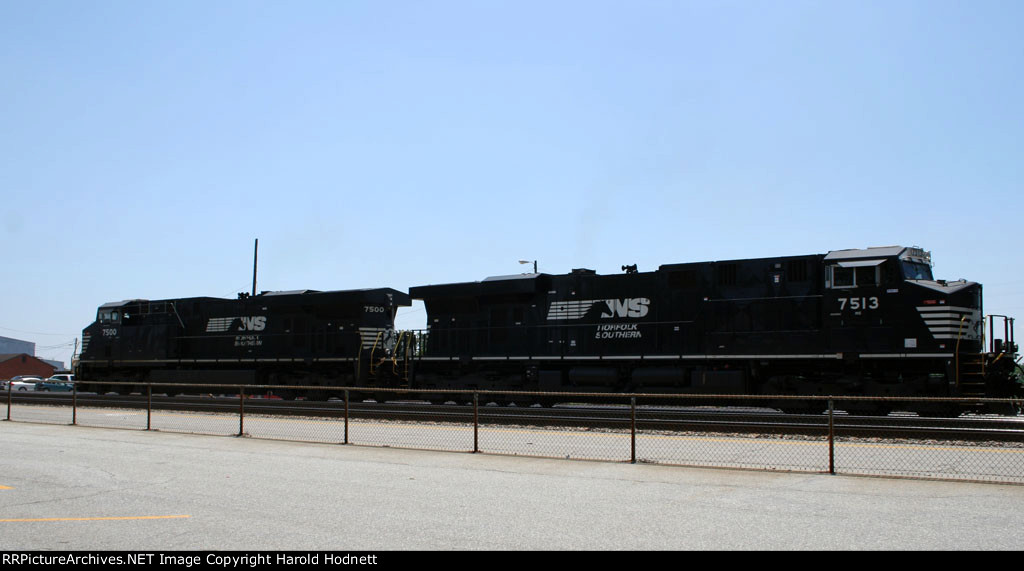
(858, 303)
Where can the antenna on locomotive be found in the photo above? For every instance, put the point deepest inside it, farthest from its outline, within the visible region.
(255, 252)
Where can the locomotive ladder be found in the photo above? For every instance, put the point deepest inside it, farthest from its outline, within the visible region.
(970, 370)
(400, 369)
(406, 350)
(971, 375)
(970, 367)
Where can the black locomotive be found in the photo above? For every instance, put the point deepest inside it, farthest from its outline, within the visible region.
(307, 338)
(850, 322)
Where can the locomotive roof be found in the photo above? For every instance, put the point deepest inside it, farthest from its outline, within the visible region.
(521, 283)
(367, 294)
(511, 277)
(914, 253)
(525, 282)
(873, 252)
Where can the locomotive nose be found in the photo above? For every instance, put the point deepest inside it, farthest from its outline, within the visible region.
(951, 311)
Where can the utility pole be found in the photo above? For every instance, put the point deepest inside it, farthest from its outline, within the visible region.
(255, 252)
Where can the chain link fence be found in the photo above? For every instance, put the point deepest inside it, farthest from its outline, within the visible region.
(975, 440)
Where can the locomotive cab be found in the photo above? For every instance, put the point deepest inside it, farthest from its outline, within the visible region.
(886, 301)
(883, 305)
(102, 335)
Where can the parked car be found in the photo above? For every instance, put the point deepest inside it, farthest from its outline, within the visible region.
(55, 385)
(62, 378)
(25, 382)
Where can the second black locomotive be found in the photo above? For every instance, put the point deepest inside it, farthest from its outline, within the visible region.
(307, 338)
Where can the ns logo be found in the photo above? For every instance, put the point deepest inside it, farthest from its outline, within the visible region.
(629, 307)
(609, 308)
(225, 324)
(255, 323)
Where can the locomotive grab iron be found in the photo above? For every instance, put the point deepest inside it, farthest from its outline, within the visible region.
(850, 322)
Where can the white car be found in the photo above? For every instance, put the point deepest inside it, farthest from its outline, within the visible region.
(24, 382)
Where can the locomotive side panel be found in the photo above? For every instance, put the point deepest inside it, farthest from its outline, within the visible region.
(685, 325)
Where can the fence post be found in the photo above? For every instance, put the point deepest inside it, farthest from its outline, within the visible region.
(346, 417)
(632, 429)
(831, 439)
(74, 403)
(476, 423)
(149, 406)
(8, 400)
(241, 411)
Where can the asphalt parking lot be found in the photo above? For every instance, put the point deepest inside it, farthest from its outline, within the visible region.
(78, 488)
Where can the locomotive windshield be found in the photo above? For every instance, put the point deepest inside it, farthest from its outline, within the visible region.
(916, 270)
(107, 316)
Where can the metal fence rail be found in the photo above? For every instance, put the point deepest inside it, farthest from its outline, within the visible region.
(845, 435)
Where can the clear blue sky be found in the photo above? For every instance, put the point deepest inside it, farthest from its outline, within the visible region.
(145, 145)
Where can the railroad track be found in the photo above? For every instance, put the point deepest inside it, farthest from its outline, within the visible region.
(715, 420)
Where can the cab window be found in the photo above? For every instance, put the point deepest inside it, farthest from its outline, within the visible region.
(916, 271)
(107, 316)
(853, 276)
(842, 277)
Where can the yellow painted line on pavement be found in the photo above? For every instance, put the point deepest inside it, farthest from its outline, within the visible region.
(114, 518)
(6, 488)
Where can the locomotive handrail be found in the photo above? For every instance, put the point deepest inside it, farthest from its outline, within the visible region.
(1008, 337)
(957, 353)
(374, 350)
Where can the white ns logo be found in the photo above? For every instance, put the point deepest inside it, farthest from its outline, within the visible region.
(629, 307)
(257, 323)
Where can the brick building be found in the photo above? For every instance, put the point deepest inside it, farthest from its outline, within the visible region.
(12, 365)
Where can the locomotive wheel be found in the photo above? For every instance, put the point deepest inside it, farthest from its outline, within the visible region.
(937, 410)
(318, 395)
(1005, 409)
(285, 394)
(869, 409)
(795, 409)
